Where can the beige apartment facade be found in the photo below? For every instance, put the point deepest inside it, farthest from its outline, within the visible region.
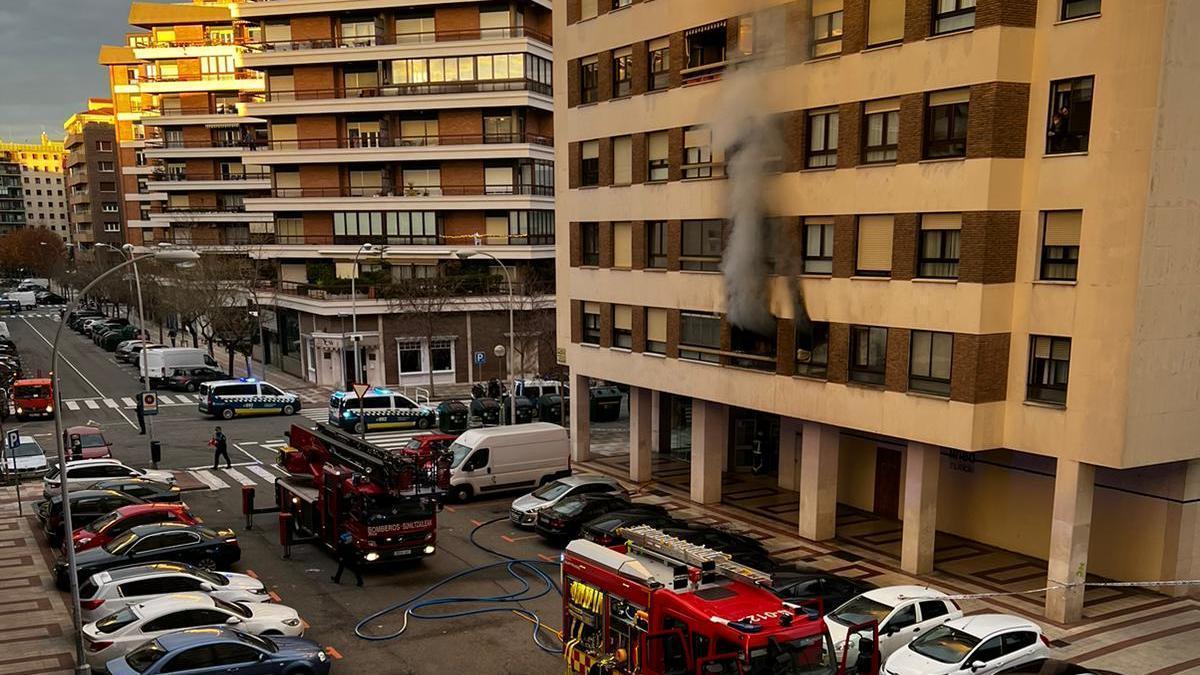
(984, 205)
(93, 195)
(42, 183)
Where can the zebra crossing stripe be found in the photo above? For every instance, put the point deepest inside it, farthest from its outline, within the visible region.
(262, 473)
(239, 476)
(91, 404)
(129, 402)
(111, 403)
(210, 480)
(72, 405)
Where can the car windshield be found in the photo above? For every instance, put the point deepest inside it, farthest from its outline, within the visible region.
(460, 453)
(92, 440)
(103, 522)
(211, 577)
(116, 621)
(52, 474)
(945, 644)
(233, 607)
(25, 450)
(860, 610)
(551, 491)
(31, 391)
(145, 656)
(810, 655)
(121, 544)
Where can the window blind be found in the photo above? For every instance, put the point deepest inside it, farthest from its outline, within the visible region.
(885, 21)
(658, 145)
(591, 308)
(1062, 228)
(622, 245)
(875, 243)
(622, 317)
(821, 7)
(941, 221)
(623, 160)
(656, 325)
(881, 105)
(949, 97)
(591, 150)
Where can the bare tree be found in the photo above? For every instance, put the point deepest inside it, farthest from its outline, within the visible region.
(424, 302)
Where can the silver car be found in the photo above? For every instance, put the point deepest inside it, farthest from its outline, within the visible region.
(113, 590)
(525, 509)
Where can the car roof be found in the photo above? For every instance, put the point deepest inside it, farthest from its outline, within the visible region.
(154, 528)
(133, 571)
(894, 595)
(133, 509)
(100, 461)
(81, 494)
(984, 625)
(172, 602)
(29, 440)
(587, 479)
(196, 636)
(32, 380)
(83, 429)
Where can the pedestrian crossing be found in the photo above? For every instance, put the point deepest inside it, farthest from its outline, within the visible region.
(126, 402)
(39, 315)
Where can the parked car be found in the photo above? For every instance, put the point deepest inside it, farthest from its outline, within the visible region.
(27, 459)
(91, 442)
(84, 472)
(981, 644)
(603, 529)
(86, 506)
(107, 592)
(192, 544)
(801, 584)
(121, 632)
(1054, 667)
(222, 650)
(75, 321)
(90, 327)
(190, 379)
(423, 446)
(109, 340)
(563, 520)
(108, 527)
(902, 613)
(149, 490)
(48, 298)
(135, 352)
(524, 510)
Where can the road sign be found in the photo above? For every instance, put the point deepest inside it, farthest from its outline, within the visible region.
(149, 403)
(12, 439)
(360, 390)
(480, 358)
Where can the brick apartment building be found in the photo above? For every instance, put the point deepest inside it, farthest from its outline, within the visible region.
(93, 193)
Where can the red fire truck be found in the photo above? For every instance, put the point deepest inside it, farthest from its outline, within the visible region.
(387, 501)
(658, 605)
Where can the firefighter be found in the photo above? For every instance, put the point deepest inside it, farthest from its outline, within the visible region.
(347, 558)
(220, 446)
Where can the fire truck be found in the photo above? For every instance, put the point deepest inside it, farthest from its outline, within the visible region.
(658, 605)
(337, 483)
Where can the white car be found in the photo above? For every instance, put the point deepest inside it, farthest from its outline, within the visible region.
(27, 459)
(525, 509)
(981, 645)
(117, 634)
(112, 590)
(902, 613)
(84, 472)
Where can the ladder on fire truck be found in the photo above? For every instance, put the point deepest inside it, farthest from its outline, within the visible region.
(670, 548)
(365, 458)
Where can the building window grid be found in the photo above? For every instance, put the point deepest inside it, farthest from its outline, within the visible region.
(817, 246)
(590, 164)
(939, 254)
(953, 15)
(1059, 260)
(622, 75)
(657, 160)
(698, 159)
(701, 246)
(660, 68)
(1069, 127)
(1049, 369)
(702, 331)
(868, 354)
(946, 130)
(589, 81)
(881, 137)
(827, 34)
(814, 363)
(1076, 9)
(656, 245)
(822, 139)
(929, 364)
(590, 244)
(591, 328)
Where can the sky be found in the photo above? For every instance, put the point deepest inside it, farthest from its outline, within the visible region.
(48, 50)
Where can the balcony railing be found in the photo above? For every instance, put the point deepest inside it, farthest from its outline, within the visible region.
(221, 236)
(211, 41)
(340, 290)
(218, 109)
(215, 208)
(402, 39)
(207, 77)
(181, 143)
(181, 176)
(423, 89)
(414, 191)
(384, 141)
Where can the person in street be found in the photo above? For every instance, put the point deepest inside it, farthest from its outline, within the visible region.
(347, 558)
(220, 446)
(171, 335)
(141, 415)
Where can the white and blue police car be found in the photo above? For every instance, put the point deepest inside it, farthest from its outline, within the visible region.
(381, 408)
(229, 398)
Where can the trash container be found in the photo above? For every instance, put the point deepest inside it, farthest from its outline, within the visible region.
(526, 410)
(453, 417)
(155, 452)
(487, 410)
(605, 403)
(551, 408)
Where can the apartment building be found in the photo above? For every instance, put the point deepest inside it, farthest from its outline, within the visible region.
(93, 196)
(401, 136)
(985, 205)
(12, 201)
(42, 183)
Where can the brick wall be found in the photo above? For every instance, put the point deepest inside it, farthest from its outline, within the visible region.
(312, 28)
(576, 321)
(912, 127)
(785, 352)
(574, 11)
(318, 223)
(456, 18)
(674, 154)
(845, 241)
(638, 158)
(574, 164)
(895, 377)
(673, 333)
(849, 133)
(638, 328)
(462, 223)
(319, 80)
(465, 173)
(678, 55)
(792, 131)
(988, 247)
(460, 122)
(573, 94)
(314, 131)
(606, 161)
(637, 235)
(917, 19)
(904, 245)
(575, 244)
(839, 352)
(606, 245)
(604, 75)
(980, 370)
(319, 176)
(674, 244)
(854, 26)
(606, 324)
(191, 101)
(640, 68)
(997, 120)
(1020, 13)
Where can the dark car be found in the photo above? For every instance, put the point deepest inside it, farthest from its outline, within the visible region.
(75, 321)
(1053, 667)
(144, 488)
(86, 506)
(564, 520)
(48, 298)
(603, 530)
(190, 379)
(193, 544)
(222, 650)
(91, 329)
(801, 584)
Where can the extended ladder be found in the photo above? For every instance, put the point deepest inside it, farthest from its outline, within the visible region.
(657, 542)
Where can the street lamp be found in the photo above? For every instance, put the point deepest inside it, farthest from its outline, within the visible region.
(144, 336)
(465, 253)
(178, 256)
(368, 248)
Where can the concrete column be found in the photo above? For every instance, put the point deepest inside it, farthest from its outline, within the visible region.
(789, 453)
(641, 417)
(581, 426)
(920, 508)
(819, 481)
(1181, 540)
(710, 444)
(1070, 531)
(655, 421)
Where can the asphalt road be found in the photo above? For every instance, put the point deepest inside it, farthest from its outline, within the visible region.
(480, 645)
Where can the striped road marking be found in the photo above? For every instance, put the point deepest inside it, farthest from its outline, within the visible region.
(72, 405)
(239, 477)
(91, 404)
(110, 403)
(210, 480)
(129, 403)
(261, 473)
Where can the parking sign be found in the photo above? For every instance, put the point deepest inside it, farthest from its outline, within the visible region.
(12, 439)
(480, 358)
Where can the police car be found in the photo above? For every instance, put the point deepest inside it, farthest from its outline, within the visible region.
(383, 409)
(247, 396)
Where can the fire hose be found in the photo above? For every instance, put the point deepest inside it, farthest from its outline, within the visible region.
(520, 570)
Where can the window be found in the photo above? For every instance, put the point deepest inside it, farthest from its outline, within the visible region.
(817, 246)
(590, 164)
(590, 233)
(659, 64)
(356, 81)
(622, 331)
(618, 4)
(591, 323)
(358, 32)
(698, 159)
(232, 654)
(623, 245)
(1070, 115)
(415, 29)
(197, 658)
(813, 362)
(1074, 9)
(104, 146)
(1049, 368)
(410, 357)
(705, 46)
(589, 80)
(622, 160)
(656, 244)
(703, 242)
(1016, 641)
(104, 166)
(656, 330)
(874, 246)
(885, 22)
(931, 609)
(1060, 245)
(937, 252)
(929, 363)
(751, 349)
(952, 15)
(530, 227)
(826, 27)
(702, 331)
(881, 130)
(822, 139)
(657, 162)
(868, 354)
(946, 124)
(622, 72)
(589, 9)
(441, 355)
(988, 651)
(903, 618)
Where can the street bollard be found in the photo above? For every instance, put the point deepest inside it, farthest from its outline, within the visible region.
(248, 505)
(285, 534)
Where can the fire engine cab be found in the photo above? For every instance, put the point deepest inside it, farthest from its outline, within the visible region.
(658, 605)
(387, 501)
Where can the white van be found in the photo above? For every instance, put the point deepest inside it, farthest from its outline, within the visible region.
(4, 330)
(497, 459)
(28, 299)
(161, 362)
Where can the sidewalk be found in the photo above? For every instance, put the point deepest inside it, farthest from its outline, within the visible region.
(35, 625)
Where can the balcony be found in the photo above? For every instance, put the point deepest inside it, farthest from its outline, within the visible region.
(383, 148)
(179, 180)
(421, 40)
(383, 141)
(421, 89)
(243, 80)
(391, 97)
(414, 191)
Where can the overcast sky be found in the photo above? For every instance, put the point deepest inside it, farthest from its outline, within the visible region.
(48, 54)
